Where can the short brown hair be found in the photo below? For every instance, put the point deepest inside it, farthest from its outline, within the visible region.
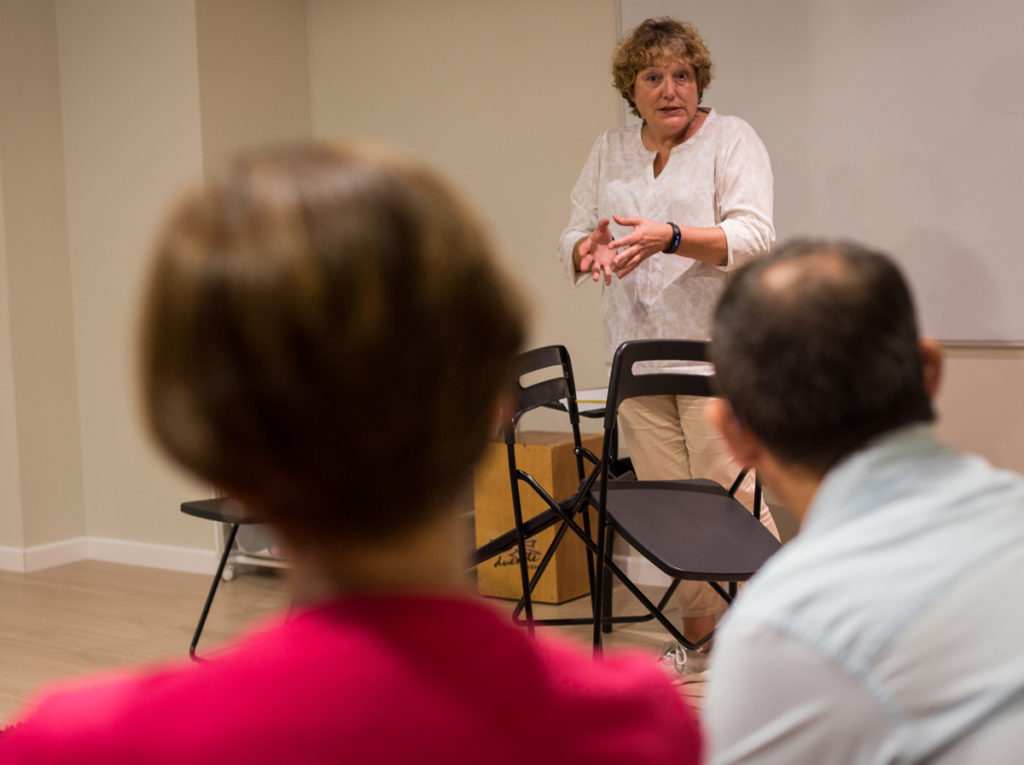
(325, 336)
(650, 41)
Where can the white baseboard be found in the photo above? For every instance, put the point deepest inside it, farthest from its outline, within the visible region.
(56, 553)
(187, 559)
(12, 559)
(198, 561)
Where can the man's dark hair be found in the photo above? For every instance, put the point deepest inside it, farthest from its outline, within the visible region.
(816, 348)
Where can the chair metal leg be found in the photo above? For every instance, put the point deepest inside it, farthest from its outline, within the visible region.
(598, 595)
(591, 561)
(524, 567)
(524, 577)
(606, 590)
(653, 611)
(530, 582)
(228, 545)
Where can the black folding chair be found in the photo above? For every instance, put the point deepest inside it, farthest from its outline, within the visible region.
(222, 510)
(692, 529)
(556, 389)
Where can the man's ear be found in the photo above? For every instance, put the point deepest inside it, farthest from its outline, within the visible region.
(742, 444)
(931, 365)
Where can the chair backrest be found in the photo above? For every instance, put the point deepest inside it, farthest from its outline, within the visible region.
(543, 377)
(553, 390)
(556, 389)
(627, 382)
(551, 384)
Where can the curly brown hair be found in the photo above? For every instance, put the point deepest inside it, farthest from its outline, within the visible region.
(650, 41)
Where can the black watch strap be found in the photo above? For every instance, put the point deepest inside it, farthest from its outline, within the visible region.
(674, 244)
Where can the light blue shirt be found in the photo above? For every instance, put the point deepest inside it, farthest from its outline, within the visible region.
(887, 631)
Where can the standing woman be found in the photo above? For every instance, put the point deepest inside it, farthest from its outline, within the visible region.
(661, 213)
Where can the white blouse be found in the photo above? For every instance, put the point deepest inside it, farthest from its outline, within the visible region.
(721, 176)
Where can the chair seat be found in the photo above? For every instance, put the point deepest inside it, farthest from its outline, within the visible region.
(709, 536)
(223, 509)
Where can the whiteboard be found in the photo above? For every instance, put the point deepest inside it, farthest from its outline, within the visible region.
(898, 123)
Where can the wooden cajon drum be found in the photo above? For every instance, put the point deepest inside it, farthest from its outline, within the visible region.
(549, 458)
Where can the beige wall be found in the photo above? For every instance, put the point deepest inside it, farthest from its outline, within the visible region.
(109, 107)
(129, 85)
(43, 401)
(153, 94)
(505, 98)
(980, 406)
(11, 527)
(253, 74)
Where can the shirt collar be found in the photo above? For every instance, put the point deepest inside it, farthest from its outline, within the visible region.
(857, 485)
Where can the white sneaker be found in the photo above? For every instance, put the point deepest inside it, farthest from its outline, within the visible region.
(677, 659)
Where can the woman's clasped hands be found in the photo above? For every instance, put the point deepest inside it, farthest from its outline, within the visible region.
(602, 255)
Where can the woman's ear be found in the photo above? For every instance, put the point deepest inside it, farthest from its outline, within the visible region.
(742, 444)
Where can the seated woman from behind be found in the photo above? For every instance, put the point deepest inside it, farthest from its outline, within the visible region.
(326, 336)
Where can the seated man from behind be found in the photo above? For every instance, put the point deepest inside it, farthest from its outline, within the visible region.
(327, 336)
(880, 634)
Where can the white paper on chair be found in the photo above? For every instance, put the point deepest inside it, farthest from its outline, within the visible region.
(590, 399)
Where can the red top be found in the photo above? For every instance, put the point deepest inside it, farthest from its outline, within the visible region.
(371, 680)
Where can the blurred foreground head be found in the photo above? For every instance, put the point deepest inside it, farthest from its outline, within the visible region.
(325, 336)
(816, 349)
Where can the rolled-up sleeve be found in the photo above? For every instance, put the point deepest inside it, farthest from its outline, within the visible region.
(743, 188)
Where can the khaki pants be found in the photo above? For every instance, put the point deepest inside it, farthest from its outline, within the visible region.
(669, 438)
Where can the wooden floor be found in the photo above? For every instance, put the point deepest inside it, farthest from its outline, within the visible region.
(91, 615)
